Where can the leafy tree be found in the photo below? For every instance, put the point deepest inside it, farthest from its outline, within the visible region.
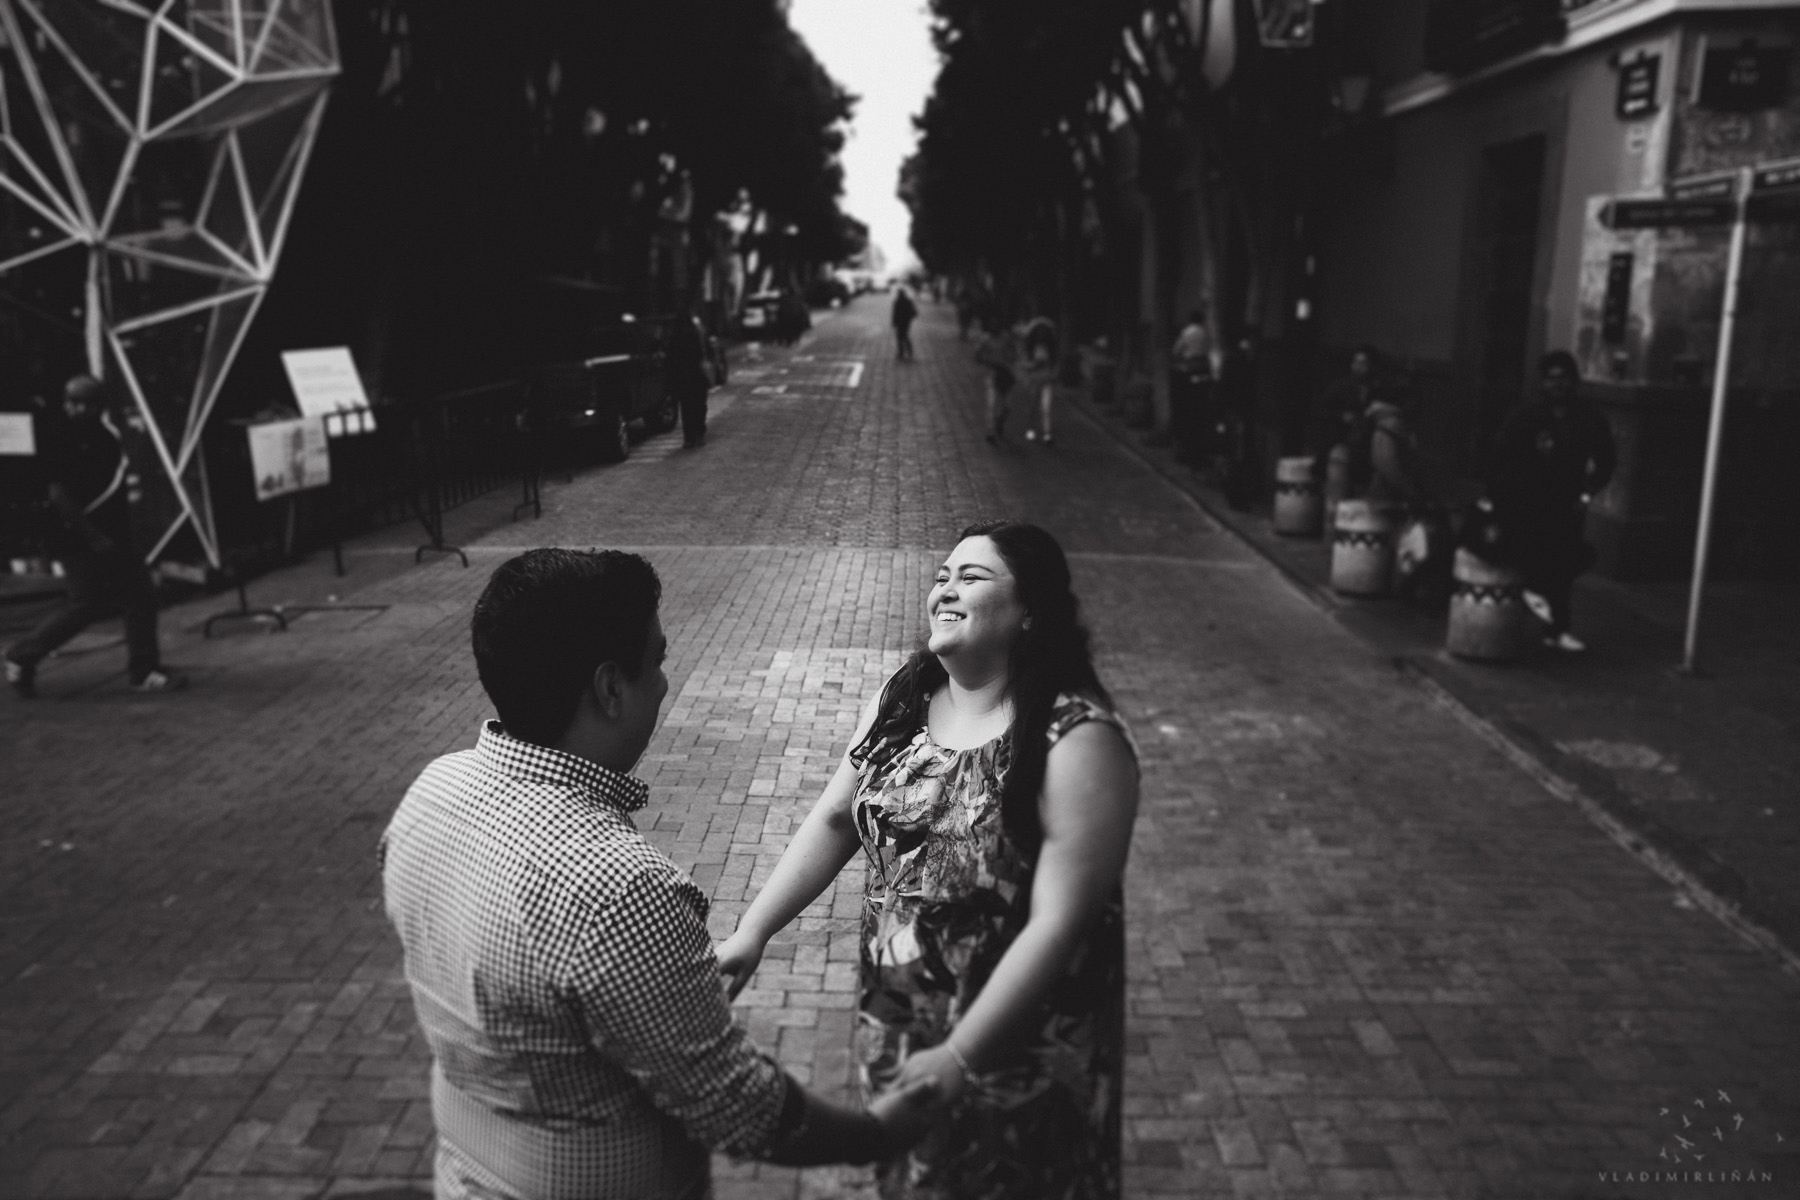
(471, 144)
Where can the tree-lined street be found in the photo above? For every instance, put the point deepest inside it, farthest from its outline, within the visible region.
(1368, 955)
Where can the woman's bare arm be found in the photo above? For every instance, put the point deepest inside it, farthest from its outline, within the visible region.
(1088, 806)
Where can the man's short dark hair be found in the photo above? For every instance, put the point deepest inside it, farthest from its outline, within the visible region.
(546, 622)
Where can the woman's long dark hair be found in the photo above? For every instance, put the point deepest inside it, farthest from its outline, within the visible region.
(1048, 659)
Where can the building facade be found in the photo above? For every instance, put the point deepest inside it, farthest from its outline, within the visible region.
(1472, 221)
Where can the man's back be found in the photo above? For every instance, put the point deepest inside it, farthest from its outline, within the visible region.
(562, 974)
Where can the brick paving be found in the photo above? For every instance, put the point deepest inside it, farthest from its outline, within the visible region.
(1368, 955)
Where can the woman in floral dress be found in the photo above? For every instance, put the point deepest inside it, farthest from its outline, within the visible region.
(992, 788)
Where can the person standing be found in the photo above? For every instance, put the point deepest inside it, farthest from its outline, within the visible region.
(999, 353)
(1040, 342)
(86, 469)
(991, 786)
(687, 377)
(905, 312)
(1552, 456)
(560, 965)
(1190, 394)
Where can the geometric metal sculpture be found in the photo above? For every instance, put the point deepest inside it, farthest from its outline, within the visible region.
(150, 155)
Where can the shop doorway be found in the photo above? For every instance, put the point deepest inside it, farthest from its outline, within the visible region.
(1511, 197)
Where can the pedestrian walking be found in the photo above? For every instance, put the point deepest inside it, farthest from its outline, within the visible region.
(86, 472)
(1552, 456)
(560, 965)
(1190, 392)
(905, 312)
(1039, 340)
(687, 377)
(992, 787)
(999, 353)
(1235, 393)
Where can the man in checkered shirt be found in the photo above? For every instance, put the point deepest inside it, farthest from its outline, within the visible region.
(560, 965)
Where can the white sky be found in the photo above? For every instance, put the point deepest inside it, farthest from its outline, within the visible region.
(881, 51)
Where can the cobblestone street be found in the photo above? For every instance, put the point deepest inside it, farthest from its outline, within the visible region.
(1369, 956)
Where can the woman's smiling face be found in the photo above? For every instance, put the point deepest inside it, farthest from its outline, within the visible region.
(974, 604)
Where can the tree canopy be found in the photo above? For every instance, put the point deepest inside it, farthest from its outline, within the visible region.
(1017, 85)
(470, 143)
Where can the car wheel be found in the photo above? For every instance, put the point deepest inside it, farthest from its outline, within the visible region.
(615, 439)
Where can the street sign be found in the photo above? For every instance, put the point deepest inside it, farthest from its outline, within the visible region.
(1637, 86)
(1705, 187)
(1785, 173)
(1657, 214)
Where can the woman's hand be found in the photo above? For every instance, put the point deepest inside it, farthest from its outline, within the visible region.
(935, 1065)
(738, 956)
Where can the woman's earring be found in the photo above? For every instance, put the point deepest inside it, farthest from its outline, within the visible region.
(1027, 624)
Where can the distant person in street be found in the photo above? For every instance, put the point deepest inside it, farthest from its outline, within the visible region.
(86, 472)
(1040, 342)
(965, 314)
(1344, 403)
(1235, 394)
(992, 787)
(999, 353)
(1190, 393)
(560, 965)
(905, 312)
(1552, 456)
(688, 379)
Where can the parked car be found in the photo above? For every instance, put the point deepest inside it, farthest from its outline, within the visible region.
(596, 370)
(776, 314)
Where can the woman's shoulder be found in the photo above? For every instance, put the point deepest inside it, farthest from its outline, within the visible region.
(1074, 709)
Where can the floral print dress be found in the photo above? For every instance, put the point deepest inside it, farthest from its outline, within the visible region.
(947, 892)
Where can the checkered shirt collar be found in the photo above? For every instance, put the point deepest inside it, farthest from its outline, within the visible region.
(540, 764)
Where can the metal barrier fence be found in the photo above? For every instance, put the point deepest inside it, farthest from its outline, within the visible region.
(422, 458)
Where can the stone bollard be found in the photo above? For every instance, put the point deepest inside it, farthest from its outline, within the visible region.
(1298, 509)
(1488, 617)
(1362, 549)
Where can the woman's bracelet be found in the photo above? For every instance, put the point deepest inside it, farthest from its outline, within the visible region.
(958, 1059)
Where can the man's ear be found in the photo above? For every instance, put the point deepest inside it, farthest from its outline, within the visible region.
(608, 689)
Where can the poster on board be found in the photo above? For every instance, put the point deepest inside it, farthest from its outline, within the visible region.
(289, 456)
(326, 385)
(18, 436)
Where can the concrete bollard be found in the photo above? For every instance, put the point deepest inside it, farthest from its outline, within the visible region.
(1488, 617)
(1298, 509)
(1362, 549)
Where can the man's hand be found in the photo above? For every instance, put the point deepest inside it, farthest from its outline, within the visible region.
(738, 956)
(906, 1111)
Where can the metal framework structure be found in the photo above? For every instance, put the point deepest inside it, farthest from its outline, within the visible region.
(150, 155)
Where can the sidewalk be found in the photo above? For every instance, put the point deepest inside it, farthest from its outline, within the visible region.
(1699, 775)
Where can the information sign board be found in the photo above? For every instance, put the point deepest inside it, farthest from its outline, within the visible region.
(289, 456)
(326, 384)
(18, 436)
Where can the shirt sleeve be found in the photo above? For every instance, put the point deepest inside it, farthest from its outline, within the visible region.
(647, 981)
